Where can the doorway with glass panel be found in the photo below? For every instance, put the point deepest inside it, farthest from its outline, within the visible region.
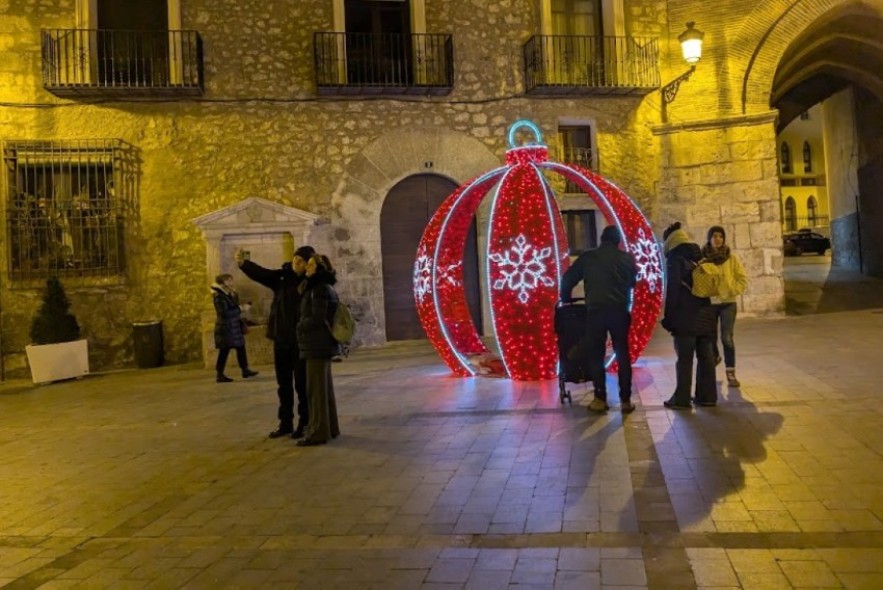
(378, 43)
(577, 52)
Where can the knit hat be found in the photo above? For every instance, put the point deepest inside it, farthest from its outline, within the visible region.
(610, 235)
(305, 252)
(716, 229)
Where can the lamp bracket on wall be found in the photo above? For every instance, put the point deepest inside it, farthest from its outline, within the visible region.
(670, 90)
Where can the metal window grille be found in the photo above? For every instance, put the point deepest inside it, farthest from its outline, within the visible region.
(65, 207)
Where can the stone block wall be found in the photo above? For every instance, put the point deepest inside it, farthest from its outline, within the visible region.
(724, 173)
(261, 130)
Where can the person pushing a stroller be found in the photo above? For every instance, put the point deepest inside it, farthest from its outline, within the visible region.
(608, 275)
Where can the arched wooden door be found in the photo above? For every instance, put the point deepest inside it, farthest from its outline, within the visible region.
(406, 212)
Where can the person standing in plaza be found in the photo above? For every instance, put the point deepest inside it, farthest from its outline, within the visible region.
(291, 372)
(734, 282)
(229, 328)
(317, 348)
(690, 320)
(608, 275)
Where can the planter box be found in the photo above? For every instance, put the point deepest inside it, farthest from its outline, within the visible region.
(53, 362)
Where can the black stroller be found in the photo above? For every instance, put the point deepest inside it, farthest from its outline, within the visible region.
(570, 327)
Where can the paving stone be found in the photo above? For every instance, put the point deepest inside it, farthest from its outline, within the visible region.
(443, 482)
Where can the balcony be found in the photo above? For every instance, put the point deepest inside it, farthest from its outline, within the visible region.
(557, 65)
(122, 63)
(385, 64)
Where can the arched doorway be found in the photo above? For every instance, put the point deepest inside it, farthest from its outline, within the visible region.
(406, 210)
(835, 62)
(828, 90)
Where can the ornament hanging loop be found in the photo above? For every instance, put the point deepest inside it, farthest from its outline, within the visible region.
(538, 135)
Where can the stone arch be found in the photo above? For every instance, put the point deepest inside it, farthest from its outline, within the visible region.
(764, 37)
(354, 232)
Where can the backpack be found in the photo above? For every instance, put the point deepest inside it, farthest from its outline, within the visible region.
(343, 326)
(707, 279)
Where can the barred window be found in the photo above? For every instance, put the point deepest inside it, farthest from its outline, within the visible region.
(65, 207)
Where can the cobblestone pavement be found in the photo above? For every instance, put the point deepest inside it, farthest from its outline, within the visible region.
(164, 479)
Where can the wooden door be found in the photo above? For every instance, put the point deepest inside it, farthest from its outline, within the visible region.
(406, 211)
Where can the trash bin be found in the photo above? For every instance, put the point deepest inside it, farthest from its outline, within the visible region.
(148, 343)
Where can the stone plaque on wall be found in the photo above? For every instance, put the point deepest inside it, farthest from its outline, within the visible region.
(269, 232)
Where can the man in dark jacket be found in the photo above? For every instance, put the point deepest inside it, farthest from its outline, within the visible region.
(691, 321)
(608, 275)
(282, 330)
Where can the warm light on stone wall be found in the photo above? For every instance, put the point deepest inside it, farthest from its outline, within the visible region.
(259, 129)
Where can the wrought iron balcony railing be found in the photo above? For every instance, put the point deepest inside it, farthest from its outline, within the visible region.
(793, 223)
(99, 61)
(560, 64)
(364, 63)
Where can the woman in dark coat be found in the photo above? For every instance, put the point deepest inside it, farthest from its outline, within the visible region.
(228, 327)
(317, 346)
(690, 320)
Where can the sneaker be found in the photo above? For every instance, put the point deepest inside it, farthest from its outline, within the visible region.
(598, 405)
(626, 406)
(223, 379)
(731, 378)
(248, 373)
(673, 405)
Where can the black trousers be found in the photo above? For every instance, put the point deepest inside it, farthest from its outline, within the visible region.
(223, 353)
(599, 323)
(686, 348)
(291, 378)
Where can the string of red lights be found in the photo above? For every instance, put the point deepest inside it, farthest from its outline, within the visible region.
(526, 256)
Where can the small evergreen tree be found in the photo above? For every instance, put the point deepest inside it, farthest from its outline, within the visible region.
(54, 322)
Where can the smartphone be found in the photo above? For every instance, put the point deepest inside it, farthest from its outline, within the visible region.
(246, 254)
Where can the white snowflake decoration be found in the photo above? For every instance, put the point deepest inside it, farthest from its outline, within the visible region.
(446, 274)
(646, 253)
(523, 268)
(422, 275)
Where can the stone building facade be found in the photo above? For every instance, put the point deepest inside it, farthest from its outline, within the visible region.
(259, 127)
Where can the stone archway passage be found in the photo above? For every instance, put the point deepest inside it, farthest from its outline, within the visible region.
(406, 210)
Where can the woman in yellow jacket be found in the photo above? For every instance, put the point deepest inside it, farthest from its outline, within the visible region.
(734, 284)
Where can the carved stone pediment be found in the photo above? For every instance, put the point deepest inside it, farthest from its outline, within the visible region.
(255, 215)
(268, 232)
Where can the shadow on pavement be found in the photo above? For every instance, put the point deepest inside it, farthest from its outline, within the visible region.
(709, 452)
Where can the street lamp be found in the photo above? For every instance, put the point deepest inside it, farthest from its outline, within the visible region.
(691, 47)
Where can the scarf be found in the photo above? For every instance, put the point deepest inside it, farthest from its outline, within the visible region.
(716, 255)
(675, 239)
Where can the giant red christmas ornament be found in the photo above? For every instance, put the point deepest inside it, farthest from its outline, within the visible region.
(526, 256)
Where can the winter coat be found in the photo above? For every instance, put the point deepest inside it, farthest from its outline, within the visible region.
(608, 276)
(317, 309)
(285, 308)
(734, 282)
(228, 320)
(685, 314)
